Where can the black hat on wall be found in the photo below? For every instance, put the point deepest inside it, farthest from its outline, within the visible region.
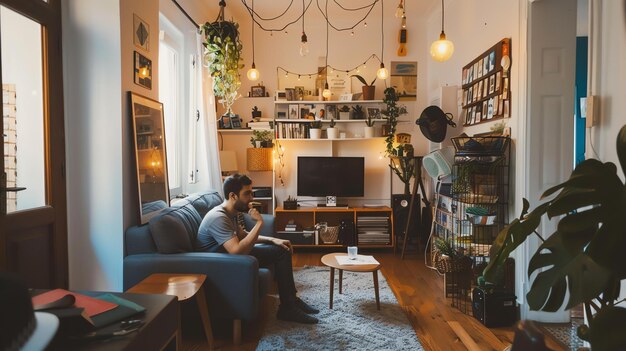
(433, 123)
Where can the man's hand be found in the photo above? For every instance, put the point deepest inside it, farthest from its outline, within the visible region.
(285, 244)
(254, 213)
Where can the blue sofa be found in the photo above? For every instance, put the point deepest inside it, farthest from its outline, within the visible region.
(234, 283)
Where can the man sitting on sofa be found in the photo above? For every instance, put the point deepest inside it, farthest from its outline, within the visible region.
(220, 232)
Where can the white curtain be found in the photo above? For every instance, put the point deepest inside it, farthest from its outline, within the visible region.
(207, 119)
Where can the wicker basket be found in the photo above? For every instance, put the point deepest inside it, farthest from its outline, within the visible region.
(445, 264)
(329, 235)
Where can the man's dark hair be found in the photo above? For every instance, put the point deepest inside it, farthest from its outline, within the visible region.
(234, 183)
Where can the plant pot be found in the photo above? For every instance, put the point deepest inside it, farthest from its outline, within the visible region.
(369, 132)
(368, 92)
(315, 133)
(344, 115)
(332, 133)
(386, 129)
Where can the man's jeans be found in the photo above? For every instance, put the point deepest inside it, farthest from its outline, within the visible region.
(268, 255)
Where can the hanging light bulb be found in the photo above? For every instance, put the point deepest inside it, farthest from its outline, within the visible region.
(400, 10)
(365, 24)
(352, 33)
(326, 93)
(441, 50)
(298, 77)
(286, 75)
(253, 73)
(403, 22)
(382, 72)
(304, 45)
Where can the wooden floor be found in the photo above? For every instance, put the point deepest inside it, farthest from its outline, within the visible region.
(419, 291)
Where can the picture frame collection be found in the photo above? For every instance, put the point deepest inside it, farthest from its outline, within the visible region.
(486, 86)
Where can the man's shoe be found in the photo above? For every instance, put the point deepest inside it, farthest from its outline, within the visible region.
(294, 314)
(305, 307)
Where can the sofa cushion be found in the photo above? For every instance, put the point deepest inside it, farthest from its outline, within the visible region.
(175, 229)
(203, 202)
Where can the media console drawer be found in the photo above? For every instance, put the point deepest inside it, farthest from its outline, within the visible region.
(297, 238)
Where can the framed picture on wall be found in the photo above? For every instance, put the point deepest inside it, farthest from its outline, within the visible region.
(143, 71)
(141, 33)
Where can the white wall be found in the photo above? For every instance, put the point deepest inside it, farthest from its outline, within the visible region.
(345, 52)
(93, 128)
(18, 53)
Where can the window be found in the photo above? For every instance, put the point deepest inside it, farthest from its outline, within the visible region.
(171, 95)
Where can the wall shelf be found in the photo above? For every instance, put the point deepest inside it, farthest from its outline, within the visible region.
(334, 102)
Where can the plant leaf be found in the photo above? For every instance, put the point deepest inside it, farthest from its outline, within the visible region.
(621, 148)
(565, 259)
(510, 238)
(606, 332)
(361, 79)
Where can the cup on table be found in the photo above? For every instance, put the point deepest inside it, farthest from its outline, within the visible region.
(352, 252)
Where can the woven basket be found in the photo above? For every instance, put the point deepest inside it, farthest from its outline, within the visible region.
(445, 264)
(329, 235)
(259, 159)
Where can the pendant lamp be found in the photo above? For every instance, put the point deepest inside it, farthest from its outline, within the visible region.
(382, 72)
(441, 50)
(253, 73)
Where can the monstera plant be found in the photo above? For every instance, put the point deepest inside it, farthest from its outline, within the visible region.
(223, 53)
(586, 256)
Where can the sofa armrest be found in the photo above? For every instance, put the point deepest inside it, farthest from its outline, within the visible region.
(268, 224)
(232, 283)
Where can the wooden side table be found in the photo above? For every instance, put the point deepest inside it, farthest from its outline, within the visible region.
(183, 286)
(330, 261)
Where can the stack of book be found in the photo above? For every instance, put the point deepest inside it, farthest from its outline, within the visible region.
(263, 125)
(291, 227)
(373, 230)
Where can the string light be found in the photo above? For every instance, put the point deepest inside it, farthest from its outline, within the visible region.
(331, 68)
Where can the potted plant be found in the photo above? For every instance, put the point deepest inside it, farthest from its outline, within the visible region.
(262, 138)
(315, 129)
(256, 114)
(585, 256)
(369, 90)
(357, 112)
(344, 112)
(331, 131)
(391, 113)
(223, 55)
(369, 127)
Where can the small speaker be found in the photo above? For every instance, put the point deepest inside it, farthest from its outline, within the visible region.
(401, 205)
(494, 309)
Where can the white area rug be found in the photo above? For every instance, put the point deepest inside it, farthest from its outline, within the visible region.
(354, 323)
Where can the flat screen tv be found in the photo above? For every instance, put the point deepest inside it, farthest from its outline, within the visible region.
(331, 176)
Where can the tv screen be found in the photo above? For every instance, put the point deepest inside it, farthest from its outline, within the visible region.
(326, 176)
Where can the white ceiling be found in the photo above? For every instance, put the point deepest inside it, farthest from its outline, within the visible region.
(416, 9)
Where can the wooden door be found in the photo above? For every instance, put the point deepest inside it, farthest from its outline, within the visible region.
(33, 218)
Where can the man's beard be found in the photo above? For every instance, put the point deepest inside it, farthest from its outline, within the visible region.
(241, 206)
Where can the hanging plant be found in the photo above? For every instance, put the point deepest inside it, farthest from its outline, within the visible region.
(223, 55)
(392, 113)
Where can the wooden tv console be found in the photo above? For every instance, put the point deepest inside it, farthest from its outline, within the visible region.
(373, 225)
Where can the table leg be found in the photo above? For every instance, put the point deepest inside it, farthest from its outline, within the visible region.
(340, 279)
(376, 289)
(332, 285)
(204, 313)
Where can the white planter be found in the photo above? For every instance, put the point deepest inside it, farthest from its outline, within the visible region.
(369, 132)
(344, 115)
(332, 133)
(315, 133)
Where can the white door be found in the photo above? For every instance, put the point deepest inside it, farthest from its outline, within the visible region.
(550, 121)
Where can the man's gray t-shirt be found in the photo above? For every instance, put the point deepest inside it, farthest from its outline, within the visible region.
(216, 228)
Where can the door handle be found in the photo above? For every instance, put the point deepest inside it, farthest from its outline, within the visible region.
(12, 189)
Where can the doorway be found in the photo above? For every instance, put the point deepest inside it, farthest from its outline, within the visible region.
(33, 215)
